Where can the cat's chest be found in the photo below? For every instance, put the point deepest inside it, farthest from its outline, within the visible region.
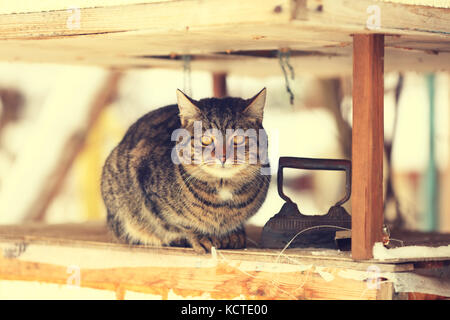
(224, 193)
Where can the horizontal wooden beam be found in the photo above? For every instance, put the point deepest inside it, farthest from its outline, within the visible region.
(81, 261)
(156, 18)
(95, 236)
(375, 17)
(52, 5)
(58, 254)
(143, 35)
(111, 16)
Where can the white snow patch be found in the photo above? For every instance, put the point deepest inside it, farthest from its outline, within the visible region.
(409, 252)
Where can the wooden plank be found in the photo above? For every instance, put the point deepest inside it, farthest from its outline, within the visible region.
(49, 254)
(40, 254)
(367, 144)
(430, 3)
(107, 36)
(104, 50)
(220, 280)
(29, 256)
(188, 15)
(95, 236)
(26, 6)
(378, 17)
(159, 17)
(386, 291)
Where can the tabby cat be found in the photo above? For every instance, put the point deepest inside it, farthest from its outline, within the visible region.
(202, 196)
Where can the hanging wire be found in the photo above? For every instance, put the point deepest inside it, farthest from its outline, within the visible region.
(187, 87)
(283, 58)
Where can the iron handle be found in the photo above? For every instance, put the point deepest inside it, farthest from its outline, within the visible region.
(315, 164)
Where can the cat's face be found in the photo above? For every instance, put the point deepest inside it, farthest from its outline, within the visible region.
(227, 139)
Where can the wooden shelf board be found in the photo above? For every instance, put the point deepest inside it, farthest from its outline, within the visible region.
(126, 35)
(45, 254)
(40, 253)
(95, 236)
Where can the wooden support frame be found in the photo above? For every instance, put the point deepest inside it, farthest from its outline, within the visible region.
(367, 144)
(316, 31)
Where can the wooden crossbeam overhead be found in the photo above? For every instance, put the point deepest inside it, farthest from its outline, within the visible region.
(51, 5)
(141, 34)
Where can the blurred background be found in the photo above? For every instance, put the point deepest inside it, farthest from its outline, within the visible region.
(59, 123)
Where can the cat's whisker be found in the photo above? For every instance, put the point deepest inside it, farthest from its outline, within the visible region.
(185, 179)
(190, 176)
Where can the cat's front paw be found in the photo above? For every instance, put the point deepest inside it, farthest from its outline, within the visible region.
(234, 240)
(204, 243)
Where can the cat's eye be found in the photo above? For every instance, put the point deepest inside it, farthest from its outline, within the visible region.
(207, 140)
(237, 140)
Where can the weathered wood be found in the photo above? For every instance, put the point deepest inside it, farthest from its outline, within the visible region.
(155, 17)
(42, 255)
(50, 5)
(386, 291)
(47, 254)
(367, 144)
(95, 236)
(219, 280)
(107, 36)
(177, 15)
(376, 17)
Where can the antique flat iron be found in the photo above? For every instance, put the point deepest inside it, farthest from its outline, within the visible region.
(305, 231)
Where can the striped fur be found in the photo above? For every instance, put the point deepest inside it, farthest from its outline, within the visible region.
(152, 201)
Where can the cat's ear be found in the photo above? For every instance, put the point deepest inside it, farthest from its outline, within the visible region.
(188, 110)
(255, 108)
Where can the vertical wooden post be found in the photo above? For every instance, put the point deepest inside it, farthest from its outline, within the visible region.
(219, 85)
(367, 144)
